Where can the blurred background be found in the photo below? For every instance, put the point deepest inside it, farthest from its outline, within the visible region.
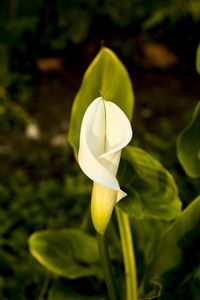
(45, 47)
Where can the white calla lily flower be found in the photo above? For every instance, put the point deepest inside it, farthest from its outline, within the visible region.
(105, 130)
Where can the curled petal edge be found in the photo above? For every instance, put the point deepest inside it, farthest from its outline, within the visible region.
(89, 163)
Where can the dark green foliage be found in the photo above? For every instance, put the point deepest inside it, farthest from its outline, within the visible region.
(184, 279)
(32, 198)
(40, 186)
(174, 11)
(62, 290)
(177, 261)
(11, 114)
(55, 26)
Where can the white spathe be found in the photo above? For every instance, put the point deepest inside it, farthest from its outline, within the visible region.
(105, 130)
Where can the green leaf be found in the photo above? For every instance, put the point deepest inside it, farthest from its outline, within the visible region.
(68, 252)
(61, 291)
(151, 190)
(177, 260)
(188, 145)
(198, 60)
(105, 76)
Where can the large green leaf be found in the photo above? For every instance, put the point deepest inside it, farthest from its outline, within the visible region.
(62, 291)
(108, 77)
(68, 252)
(151, 189)
(177, 260)
(188, 145)
(198, 60)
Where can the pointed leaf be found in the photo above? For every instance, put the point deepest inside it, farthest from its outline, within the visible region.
(151, 189)
(106, 75)
(68, 252)
(188, 146)
(177, 260)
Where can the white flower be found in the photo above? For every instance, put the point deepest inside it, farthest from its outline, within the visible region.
(105, 130)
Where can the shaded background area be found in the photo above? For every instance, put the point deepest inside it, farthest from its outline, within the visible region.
(45, 47)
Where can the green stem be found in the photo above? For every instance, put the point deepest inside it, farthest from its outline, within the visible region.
(128, 254)
(107, 268)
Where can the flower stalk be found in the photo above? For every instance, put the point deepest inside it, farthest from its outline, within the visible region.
(105, 131)
(107, 268)
(128, 254)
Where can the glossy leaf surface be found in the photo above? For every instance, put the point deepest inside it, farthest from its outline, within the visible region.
(151, 189)
(68, 252)
(188, 146)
